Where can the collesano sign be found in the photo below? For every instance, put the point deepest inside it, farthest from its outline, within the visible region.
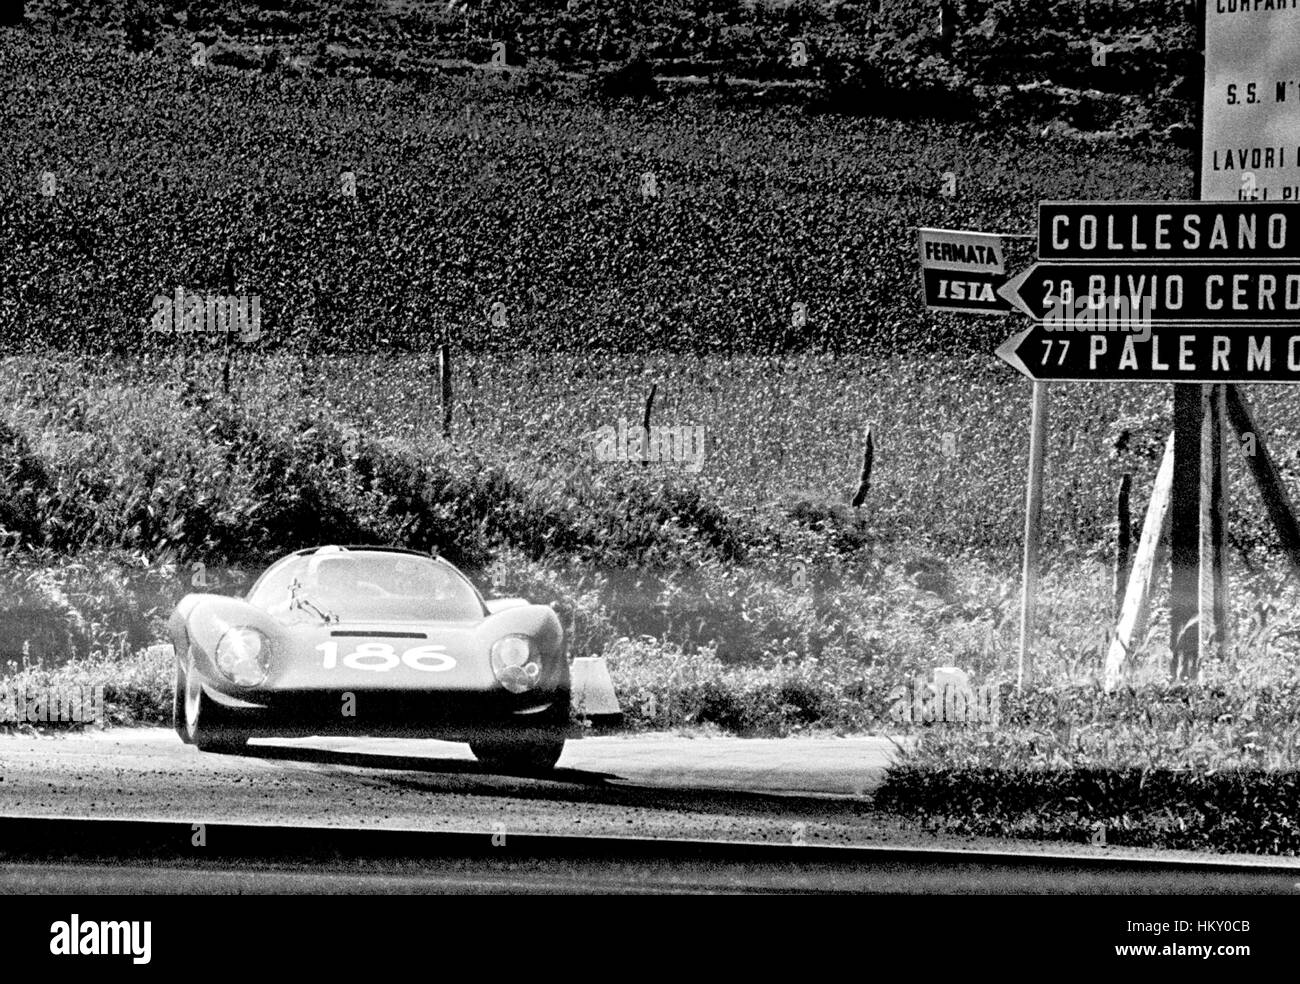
(1250, 146)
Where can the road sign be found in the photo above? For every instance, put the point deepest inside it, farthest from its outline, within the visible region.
(1173, 291)
(1082, 293)
(1160, 353)
(1168, 231)
(962, 271)
(1250, 135)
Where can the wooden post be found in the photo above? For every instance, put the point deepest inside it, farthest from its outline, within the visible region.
(1185, 534)
(1123, 540)
(1213, 601)
(1271, 490)
(444, 386)
(1033, 530)
(1137, 597)
(645, 425)
(228, 285)
(864, 479)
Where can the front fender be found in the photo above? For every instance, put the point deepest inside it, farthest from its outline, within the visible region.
(536, 621)
(200, 620)
(539, 623)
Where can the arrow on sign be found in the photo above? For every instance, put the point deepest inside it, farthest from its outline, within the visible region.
(1013, 292)
(1160, 353)
(1180, 292)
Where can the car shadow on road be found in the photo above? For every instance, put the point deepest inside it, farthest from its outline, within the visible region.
(578, 786)
(416, 763)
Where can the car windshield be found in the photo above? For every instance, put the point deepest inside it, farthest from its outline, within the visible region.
(369, 586)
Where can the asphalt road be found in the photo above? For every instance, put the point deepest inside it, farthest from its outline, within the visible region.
(790, 793)
(653, 785)
(498, 873)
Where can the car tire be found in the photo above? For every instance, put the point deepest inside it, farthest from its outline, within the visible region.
(511, 756)
(178, 705)
(203, 721)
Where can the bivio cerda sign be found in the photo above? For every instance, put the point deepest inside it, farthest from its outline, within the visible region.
(962, 271)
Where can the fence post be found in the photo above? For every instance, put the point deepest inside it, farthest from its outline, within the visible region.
(864, 480)
(228, 288)
(645, 426)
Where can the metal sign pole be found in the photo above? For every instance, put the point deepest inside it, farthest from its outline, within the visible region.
(1033, 533)
(1185, 534)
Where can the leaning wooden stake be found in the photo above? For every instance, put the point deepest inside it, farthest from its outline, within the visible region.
(864, 480)
(645, 425)
(1266, 476)
(1123, 540)
(1137, 599)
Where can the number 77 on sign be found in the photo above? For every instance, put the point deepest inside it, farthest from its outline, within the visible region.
(1062, 345)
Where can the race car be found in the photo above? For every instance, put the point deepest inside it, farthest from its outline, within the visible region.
(371, 641)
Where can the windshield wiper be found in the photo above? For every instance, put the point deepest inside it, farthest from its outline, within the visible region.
(301, 601)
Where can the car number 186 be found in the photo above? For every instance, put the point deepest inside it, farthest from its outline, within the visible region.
(381, 657)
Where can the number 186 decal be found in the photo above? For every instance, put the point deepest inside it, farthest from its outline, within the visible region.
(381, 657)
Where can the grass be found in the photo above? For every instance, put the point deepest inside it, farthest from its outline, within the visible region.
(758, 207)
(779, 430)
(802, 610)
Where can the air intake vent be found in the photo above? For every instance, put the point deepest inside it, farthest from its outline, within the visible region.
(363, 634)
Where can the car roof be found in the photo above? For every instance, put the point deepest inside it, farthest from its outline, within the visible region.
(331, 547)
(365, 548)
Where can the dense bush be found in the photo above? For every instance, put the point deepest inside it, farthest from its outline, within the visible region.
(24, 486)
(150, 470)
(1226, 726)
(52, 611)
(1204, 768)
(1236, 812)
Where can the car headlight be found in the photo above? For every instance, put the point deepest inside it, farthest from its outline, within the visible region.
(244, 655)
(514, 663)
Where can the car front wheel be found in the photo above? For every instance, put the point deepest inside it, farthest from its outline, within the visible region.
(521, 756)
(203, 725)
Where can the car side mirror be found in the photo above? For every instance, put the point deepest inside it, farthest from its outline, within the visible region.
(495, 605)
